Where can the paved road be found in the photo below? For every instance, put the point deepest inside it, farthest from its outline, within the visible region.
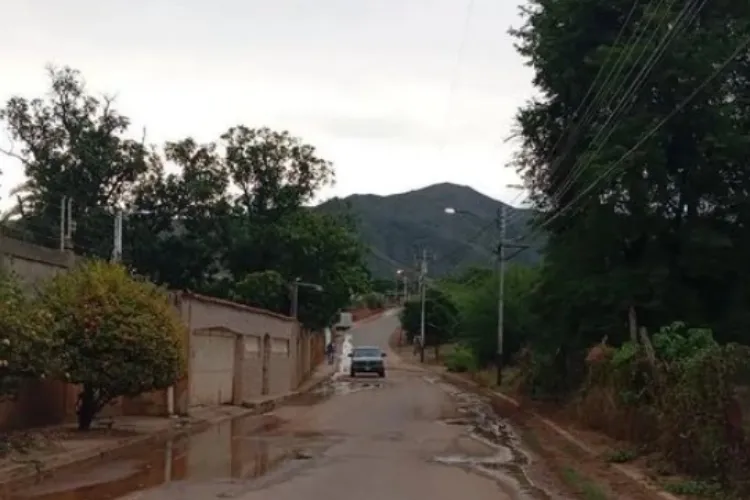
(406, 437)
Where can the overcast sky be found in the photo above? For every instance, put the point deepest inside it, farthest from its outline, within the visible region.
(381, 87)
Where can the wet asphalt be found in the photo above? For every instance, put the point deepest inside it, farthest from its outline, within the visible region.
(406, 436)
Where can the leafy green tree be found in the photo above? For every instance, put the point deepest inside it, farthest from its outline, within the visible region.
(275, 172)
(325, 250)
(71, 144)
(26, 345)
(118, 336)
(178, 227)
(441, 318)
(265, 289)
(476, 301)
(656, 235)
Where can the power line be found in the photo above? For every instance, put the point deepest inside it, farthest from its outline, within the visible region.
(742, 46)
(689, 11)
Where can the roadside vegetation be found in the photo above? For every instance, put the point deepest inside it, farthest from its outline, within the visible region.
(637, 320)
(226, 218)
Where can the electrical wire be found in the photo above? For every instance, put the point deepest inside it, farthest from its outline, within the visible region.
(745, 44)
(689, 11)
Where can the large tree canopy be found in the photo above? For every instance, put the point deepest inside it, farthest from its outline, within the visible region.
(664, 235)
(219, 217)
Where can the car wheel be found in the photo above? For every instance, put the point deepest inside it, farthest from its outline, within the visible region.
(352, 374)
(381, 374)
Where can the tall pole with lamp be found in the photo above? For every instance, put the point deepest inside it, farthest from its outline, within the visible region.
(502, 244)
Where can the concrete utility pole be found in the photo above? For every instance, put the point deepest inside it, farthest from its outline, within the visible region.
(502, 244)
(67, 226)
(423, 300)
(500, 260)
(63, 204)
(295, 295)
(117, 248)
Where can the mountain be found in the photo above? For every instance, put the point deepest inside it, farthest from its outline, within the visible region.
(398, 226)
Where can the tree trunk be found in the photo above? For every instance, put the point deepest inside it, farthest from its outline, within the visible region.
(437, 352)
(87, 408)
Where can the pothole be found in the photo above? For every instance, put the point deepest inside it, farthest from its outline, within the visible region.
(457, 421)
(508, 462)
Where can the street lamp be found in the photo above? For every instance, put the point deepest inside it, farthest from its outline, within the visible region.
(500, 271)
(295, 294)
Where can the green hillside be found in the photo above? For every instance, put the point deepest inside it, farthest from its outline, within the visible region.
(397, 227)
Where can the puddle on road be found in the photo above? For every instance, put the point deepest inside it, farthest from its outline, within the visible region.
(338, 387)
(509, 462)
(234, 450)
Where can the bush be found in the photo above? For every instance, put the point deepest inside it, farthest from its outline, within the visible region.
(25, 341)
(677, 398)
(118, 336)
(461, 360)
(374, 300)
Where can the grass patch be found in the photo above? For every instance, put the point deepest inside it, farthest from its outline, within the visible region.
(622, 456)
(589, 489)
(695, 488)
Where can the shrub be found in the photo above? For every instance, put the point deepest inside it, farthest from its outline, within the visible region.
(25, 340)
(678, 399)
(118, 336)
(461, 360)
(374, 300)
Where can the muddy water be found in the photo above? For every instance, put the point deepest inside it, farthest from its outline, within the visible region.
(508, 463)
(236, 450)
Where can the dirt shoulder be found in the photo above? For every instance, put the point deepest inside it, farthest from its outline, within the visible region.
(584, 461)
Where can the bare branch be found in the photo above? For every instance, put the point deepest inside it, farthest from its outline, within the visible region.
(9, 153)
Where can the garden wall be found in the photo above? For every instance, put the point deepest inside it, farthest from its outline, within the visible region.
(234, 353)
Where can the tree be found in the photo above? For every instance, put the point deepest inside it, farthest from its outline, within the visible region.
(26, 345)
(118, 336)
(670, 234)
(275, 172)
(71, 144)
(325, 250)
(179, 228)
(475, 295)
(265, 289)
(441, 318)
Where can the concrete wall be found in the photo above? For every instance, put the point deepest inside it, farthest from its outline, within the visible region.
(264, 362)
(32, 263)
(270, 356)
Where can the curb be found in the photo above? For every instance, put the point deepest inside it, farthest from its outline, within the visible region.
(34, 470)
(567, 436)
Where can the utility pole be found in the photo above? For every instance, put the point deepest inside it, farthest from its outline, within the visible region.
(500, 267)
(423, 300)
(294, 312)
(406, 288)
(295, 299)
(63, 204)
(67, 226)
(117, 248)
(500, 264)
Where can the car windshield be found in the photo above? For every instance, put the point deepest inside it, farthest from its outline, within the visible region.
(367, 353)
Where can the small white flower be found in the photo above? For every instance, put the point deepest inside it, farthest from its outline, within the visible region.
(5, 341)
